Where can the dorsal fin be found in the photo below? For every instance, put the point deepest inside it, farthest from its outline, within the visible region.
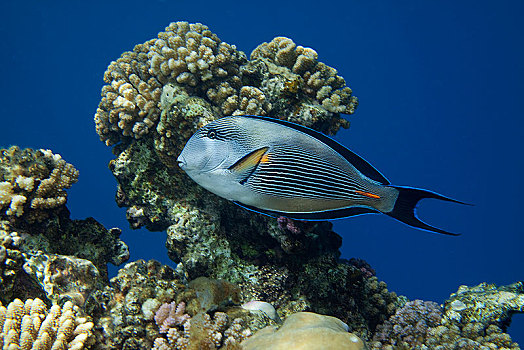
(358, 162)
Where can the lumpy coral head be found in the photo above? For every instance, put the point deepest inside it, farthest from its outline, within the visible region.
(305, 331)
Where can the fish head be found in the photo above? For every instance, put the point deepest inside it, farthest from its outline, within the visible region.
(210, 152)
(204, 152)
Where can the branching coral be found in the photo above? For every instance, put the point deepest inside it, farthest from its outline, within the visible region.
(202, 332)
(171, 315)
(129, 105)
(185, 55)
(190, 54)
(31, 325)
(293, 71)
(32, 182)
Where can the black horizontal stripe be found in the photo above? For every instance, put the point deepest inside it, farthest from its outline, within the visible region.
(297, 193)
(297, 180)
(362, 165)
(298, 185)
(304, 170)
(310, 173)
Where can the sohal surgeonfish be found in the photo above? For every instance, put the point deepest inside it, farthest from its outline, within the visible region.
(284, 169)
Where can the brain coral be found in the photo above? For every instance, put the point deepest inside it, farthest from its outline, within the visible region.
(31, 325)
(305, 331)
(33, 182)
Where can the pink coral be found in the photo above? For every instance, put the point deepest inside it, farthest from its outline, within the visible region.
(171, 315)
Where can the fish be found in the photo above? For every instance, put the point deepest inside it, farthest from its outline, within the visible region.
(279, 168)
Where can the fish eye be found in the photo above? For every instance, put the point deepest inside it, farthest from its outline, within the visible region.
(212, 134)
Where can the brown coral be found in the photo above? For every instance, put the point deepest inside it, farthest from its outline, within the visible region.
(129, 105)
(190, 54)
(185, 55)
(32, 182)
(319, 81)
(31, 325)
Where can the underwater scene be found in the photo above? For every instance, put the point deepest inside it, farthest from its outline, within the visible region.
(274, 175)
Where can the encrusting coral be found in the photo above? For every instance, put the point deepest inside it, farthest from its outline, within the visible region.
(32, 182)
(64, 277)
(30, 325)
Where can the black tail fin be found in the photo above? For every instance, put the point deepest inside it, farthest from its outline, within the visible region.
(404, 209)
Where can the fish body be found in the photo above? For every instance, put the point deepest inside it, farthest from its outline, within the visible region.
(284, 169)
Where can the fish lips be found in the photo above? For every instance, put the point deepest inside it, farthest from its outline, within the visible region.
(181, 162)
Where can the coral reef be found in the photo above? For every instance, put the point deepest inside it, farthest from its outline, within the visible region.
(156, 96)
(473, 318)
(62, 258)
(305, 331)
(485, 303)
(201, 332)
(124, 312)
(30, 325)
(410, 324)
(32, 183)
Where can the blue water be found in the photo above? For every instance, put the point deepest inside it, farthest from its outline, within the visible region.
(440, 85)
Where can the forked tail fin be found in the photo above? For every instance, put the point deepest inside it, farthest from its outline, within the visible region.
(404, 209)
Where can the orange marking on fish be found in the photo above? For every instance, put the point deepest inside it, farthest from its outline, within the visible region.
(265, 158)
(367, 194)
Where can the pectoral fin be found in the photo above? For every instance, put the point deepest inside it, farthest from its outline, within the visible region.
(246, 165)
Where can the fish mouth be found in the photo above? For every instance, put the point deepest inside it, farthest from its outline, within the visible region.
(181, 161)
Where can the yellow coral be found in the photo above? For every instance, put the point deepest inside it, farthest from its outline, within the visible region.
(36, 177)
(321, 82)
(305, 331)
(30, 325)
(186, 55)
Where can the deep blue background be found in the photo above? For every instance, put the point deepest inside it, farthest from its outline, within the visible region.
(441, 90)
